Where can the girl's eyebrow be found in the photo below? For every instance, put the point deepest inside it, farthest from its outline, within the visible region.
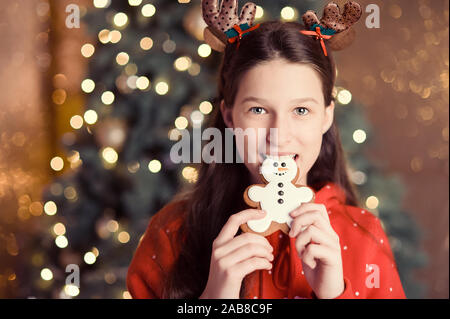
(263, 101)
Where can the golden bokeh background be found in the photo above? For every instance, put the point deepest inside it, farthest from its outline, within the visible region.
(399, 73)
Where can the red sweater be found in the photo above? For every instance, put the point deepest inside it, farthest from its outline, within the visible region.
(363, 256)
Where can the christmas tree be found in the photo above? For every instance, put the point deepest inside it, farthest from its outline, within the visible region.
(151, 76)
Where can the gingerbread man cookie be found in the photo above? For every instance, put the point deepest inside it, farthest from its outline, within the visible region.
(278, 197)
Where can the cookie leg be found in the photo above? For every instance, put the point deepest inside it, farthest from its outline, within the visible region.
(260, 225)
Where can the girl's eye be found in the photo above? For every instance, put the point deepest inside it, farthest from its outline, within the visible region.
(304, 110)
(256, 110)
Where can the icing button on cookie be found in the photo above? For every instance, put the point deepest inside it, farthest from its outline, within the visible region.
(281, 193)
(280, 184)
(280, 201)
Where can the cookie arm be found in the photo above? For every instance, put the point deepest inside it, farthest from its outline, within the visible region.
(255, 193)
(305, 194)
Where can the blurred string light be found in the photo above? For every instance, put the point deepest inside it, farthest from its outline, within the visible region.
(142, 83)
(59, 96)
(95, 251)
(87, 50)
(112, 226)
(101, 3)
(122, 58)
(190, 174)
(126, 294)
(259, 12)
(50, 208)
(162, 88)
(133, 167)
(71, 290)
(123, 237)
(76, 122)
(134, 3)
(204, 50)
(59, 229)
(89, 258)
(154, 166)
(107, 97)
(289, 14)
(359, 177)
(131, 81)
(194, 69)
(205, 107)
(110, 278)
(57, 163)
(74, 159)
(61, 241)
(115, 36)
(120, 19)
(372, 202)
(46, 274)
(182, 63)
(169, 46)
(174, 134)
(87, 85)
(131, 69)
(148, 10)
(146, 43)
(181, 122)
(104, 36)
(359, 136)
(110, 155)
(70, 193)
(35, 209)
(344, 96)
(90, 117)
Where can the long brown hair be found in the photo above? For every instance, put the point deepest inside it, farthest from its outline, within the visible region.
(217, 194)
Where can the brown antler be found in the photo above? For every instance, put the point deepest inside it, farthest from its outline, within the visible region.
(221, 20)
(333, 19)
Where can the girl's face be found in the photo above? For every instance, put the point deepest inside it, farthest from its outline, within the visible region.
(288, 97)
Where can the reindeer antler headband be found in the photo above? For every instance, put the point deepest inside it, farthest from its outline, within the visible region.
(224, 25)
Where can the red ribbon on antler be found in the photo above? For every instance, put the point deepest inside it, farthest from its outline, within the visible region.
(318, 35)
(241, 33)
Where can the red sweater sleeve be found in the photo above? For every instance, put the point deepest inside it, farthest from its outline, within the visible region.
(382, 280)
(153, 257)
(370, 272)
(149, 265)
(374, 275)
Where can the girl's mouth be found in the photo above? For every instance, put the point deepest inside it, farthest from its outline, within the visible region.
(293, 155)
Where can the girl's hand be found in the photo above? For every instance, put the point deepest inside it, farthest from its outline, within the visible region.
(319, 249)
(232, 258)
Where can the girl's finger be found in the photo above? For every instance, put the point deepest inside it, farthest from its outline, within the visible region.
(310, 218)
(239, 241)
(315, 235)
(314, 252)
(310, 207)
(248, 266)
(245, 252)
(231, 227)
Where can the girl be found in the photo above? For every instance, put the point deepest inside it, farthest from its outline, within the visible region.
(278, 78)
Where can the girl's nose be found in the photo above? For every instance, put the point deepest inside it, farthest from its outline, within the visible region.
(281, 169)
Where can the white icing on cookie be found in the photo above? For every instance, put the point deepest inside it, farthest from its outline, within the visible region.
(279, 196)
